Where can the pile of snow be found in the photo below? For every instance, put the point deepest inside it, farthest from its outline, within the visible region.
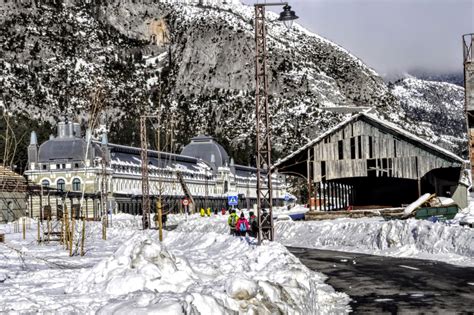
(466, 216)
(406, 238)
(401, 238)
(207, 274)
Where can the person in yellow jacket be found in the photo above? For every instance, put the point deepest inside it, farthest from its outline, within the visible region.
(208, 212)
(203, 213)
(232, 221)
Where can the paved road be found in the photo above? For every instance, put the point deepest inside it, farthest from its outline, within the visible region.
(394, 285)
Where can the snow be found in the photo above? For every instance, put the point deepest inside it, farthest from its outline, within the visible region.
(132, 272)
(416, 204)
(410, 238)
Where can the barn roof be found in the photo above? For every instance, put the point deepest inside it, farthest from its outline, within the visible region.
(381, 124)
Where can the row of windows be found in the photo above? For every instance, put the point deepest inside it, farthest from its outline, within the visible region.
(61, 184)
(58, 166)
(356, 151)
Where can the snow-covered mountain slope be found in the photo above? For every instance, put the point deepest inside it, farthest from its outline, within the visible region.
(438, 109)
(194, 60)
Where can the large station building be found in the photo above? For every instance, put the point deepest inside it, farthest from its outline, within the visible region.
(69, 172)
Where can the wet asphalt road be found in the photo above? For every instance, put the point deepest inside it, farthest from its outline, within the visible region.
(387, 285)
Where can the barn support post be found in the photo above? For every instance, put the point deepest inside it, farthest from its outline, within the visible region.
(319, 196)
(308, 176)
(344, 203)
(339, 196)
(333, 196)
(419, 187)
(326, 196)
(330, 196)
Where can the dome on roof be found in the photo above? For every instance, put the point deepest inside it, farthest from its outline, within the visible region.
(208, 150)
(72, 149)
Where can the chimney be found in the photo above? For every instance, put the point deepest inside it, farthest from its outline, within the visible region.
(77, 130)
(61, 129)
(33, 151)
(70, 127)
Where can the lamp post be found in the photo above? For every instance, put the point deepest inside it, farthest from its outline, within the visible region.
(263, 131)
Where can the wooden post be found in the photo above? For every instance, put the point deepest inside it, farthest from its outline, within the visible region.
(39, 237)
(319, 196)
(63, 229)
(160, 220)
(104, 229)
(419, 187)
(71, 238)
(308, 177)
(83, 237)
(49, 228)
(24, 227)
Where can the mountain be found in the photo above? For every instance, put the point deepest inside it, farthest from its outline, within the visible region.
(456, 78)
(191, 59)
(438, 109)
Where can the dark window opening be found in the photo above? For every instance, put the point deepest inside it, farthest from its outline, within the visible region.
(57, 166)
(395, 148)
(372, 168)
(76, 184)
(340, 149)
(63, 166)
(226, 186)
(61, 185)
(353, 148)
(76, 165)
(371, 148)
(359, 144)
(44, 166)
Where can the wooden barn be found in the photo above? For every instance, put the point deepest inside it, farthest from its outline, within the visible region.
(366, 162)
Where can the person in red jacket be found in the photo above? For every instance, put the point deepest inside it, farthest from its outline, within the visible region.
(242, 226)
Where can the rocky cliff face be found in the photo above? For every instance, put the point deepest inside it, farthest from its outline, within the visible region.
(437, 108)
(192, 59)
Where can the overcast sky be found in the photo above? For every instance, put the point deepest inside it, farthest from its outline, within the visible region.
(393, 36)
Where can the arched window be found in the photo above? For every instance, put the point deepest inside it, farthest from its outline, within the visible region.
(226, 186)
(45, 183)
(76, 184)
(61, 184)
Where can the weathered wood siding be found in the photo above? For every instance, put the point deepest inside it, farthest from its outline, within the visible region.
(381, 154)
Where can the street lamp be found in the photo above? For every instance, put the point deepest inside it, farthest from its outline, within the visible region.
(287, 16)
(263, 131)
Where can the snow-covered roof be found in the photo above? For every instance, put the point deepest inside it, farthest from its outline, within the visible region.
(373, 119)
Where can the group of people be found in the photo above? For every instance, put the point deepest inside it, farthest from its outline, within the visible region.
(241, 226)
(209, 212)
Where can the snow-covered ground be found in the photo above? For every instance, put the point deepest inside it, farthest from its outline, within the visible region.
(132, 272)
(422, 239)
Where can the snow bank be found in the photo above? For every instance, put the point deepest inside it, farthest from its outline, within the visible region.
(207, 274)
(407, 238)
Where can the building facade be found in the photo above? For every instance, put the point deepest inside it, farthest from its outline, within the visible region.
(74, 174)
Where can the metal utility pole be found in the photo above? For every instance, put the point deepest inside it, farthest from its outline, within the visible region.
(145, 183)
(263, 130)
(468, 60)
